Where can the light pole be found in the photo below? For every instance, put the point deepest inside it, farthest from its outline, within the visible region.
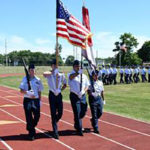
(6, 52)
(120, 58)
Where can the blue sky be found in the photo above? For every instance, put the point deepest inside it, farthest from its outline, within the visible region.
(31, 24)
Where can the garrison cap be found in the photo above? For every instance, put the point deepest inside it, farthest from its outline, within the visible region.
(31, 66)
(94, 72)
(76, 62)
(53, 62)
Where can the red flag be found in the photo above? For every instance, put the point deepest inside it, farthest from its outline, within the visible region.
(86, 23)
(88, 53)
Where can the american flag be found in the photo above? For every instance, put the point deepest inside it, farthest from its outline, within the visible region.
(123, 47)
(70, 28)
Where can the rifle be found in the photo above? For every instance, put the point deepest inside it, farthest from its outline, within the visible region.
(27, 74)
(91, 80)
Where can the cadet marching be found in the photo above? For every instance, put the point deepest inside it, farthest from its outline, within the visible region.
(127, 74)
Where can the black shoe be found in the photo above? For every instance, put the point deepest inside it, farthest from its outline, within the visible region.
(76, 127)
(31, 135)
(56, 136)
(31, 138)
(80, 133)
(96, 131)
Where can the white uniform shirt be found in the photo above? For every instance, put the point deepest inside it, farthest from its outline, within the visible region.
(136, 71)
(110, 70)
(121, 70)
(107, 72)
(98, 87)
(100, 73)
(36, 86)
(127, 71)
(51, 80)
(104, 71)
(75, 83)
(143, 71)
(114, 71)
(131, 70)
(148, 71)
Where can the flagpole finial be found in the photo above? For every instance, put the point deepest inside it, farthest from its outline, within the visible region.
(83, 2)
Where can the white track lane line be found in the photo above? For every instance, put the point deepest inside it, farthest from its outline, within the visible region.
(4, 143)
(67, 146)
(67, 103)
(116, 125)
(106, 122)
(108, 139)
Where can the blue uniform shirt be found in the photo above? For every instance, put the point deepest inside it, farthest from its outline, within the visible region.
(36, 86)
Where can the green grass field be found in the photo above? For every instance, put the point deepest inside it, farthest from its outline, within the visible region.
(132, 100)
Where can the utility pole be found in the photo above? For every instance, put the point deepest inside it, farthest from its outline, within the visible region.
(6, 52)
(120, 58)
(76, 52)
(96, 57)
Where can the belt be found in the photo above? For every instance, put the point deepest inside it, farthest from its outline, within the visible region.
(26, 98)
(76, 93)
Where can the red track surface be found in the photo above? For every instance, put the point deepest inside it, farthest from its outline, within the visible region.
(11, 74)
(117, 133)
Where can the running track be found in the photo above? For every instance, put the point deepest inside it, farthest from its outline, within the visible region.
(117, 133)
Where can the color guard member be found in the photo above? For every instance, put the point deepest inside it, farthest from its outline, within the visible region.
(56, 83)
(32, 100)
(77, 95)
(96, 100)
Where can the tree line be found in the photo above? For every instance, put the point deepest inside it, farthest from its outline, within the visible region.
(122, 56)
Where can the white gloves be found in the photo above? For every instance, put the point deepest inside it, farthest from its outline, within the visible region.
(56, 71)
(104, 102)
(80, 71)
(40, 103)
(94, 94)
(57, 92)
(80, 94)
(30, 94)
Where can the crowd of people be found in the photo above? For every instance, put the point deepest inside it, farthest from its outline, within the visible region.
(127, 74)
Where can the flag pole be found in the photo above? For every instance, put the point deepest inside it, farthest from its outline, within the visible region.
(56, 52)
(83, 3)
(81, 73)
(81, 61)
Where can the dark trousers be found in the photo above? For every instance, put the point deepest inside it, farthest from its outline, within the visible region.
(56, 108)
(148, 77)
(96, 106)
(32, 113)
(143, 78)
(121, 78)
(127, 78)
(135, 78)
(79, 107)
(110, 78)
(104, 78)
(130, 78)
(114, 78)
